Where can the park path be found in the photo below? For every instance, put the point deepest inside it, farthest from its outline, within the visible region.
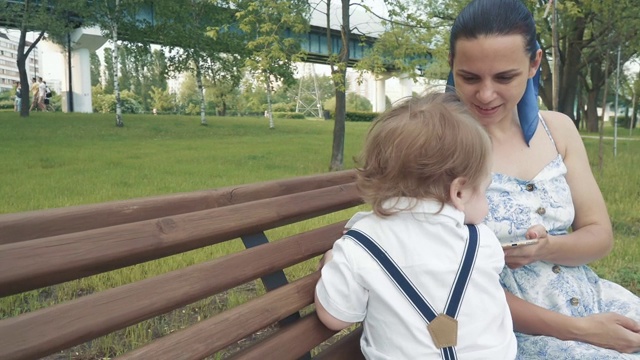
(609, 137)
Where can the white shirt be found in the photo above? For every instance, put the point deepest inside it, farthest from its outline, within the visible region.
(428, 247)
(42, 89)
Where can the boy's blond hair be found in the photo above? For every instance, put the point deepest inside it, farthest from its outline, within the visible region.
(418, 148)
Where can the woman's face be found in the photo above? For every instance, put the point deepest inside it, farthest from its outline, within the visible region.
(491, 73)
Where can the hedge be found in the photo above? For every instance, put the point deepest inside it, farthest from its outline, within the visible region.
(288, 115)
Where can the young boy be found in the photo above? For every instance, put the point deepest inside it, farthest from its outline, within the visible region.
(424, 170)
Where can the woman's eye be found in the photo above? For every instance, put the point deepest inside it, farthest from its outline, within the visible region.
(505, 79)
(469, 79)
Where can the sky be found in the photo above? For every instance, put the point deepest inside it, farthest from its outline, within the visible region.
(361, 20)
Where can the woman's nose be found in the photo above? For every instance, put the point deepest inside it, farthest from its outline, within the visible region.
(486, 92)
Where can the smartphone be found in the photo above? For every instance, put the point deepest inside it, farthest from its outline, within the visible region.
(519, 243)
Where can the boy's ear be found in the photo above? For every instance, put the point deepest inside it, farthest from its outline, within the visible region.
(457, 193)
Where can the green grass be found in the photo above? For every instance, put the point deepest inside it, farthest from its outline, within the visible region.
(55, 160)
(619, 180)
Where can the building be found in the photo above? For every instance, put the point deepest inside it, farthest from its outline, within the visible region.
(9, 68)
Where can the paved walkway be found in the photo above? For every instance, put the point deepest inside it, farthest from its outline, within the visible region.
(609, 137)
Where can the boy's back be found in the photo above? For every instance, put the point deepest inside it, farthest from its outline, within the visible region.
(428, 248)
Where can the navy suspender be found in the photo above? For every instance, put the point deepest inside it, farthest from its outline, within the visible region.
(412, 294)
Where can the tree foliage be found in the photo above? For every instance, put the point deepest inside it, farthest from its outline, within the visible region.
(117, 19)
(201, 40)
(95, 69)
(590, 33)
(43, 18)
(271, 27)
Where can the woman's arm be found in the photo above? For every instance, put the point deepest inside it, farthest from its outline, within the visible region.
(592, 237)
(608, 330)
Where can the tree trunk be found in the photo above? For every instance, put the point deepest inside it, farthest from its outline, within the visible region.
(203, 118)
(25, 91)
(116, 84)
(580, 108)
(340, 81)
(598, 81)
(592, 111)
(570, 60)
(546, 83)
(634, 114)
(571, 70)
(269, 109)
(604, 114)
(21, 62)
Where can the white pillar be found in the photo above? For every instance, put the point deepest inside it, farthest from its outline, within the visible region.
(81, 80)
(380, 103)
(406, 86)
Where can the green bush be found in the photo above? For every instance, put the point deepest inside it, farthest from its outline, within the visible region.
(288, 115)
(623, 121)
(283, 107)
(6, 104)
(360, 116)
(354, 101)
(106, 103)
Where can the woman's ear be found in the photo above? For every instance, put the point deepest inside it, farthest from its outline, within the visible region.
(457, 193)
(535, 64)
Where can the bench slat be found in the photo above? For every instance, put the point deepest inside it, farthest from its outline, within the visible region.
(33, 264)
(45, 223)
(290, 342)
(74, 322)
(216, 333)
(347, 348)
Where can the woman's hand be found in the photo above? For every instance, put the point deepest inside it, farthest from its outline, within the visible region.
(611, 331)
(523, 255)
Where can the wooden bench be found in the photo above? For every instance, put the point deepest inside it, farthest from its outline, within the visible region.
(42, 249)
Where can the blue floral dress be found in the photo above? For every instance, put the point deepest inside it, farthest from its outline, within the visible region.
(514, 206)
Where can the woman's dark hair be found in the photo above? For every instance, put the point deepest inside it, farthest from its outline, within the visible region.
(494, 17)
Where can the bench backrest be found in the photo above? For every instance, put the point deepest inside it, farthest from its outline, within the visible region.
(45, 248)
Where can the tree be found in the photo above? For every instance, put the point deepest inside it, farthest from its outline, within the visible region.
(339, 63)
(354, 102)
(188, 96)
(158, 70)
(198, 31)
(162, 100)
(401, 48)
(95, 69)
(589, 33)
(117, 17)
(108, 76)
(126, 68)
(271, 27)
(39, 16)
(225, 75)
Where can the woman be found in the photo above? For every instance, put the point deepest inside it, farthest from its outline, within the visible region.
(542, 186)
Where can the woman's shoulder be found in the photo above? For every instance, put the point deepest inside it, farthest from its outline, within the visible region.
(558, 120)
(562, 128)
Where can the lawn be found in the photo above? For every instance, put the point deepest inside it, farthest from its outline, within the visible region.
(55, 160)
